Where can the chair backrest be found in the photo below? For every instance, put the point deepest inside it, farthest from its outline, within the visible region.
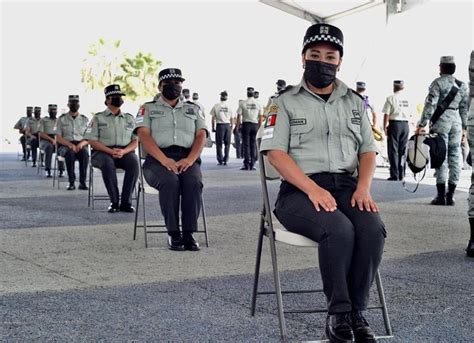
(141, 179)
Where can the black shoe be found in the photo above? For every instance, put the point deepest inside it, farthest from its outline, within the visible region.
(450, 195)
(338, 328)
(71, 186)
(190, 243)
(252, 168)
(48, 173)
(33, 165)
(113, 207)
(175, 242)
(391, 178)
(470, 249)
(244, 168)
(219, 163)
(440, 199)
(127, 208)
(362, 331)
(83, 187)
(225, 163)
(23, 159)
(61, 173)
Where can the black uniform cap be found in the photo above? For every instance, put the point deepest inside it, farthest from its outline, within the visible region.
(113, 90)
(281, 83)
(52, 107)
(29, 108)
(37, 108)
(250, 89)
(169, 74)
(324, 33)
(398, 83)
(224, 93)
(73, 98)
(360, 84)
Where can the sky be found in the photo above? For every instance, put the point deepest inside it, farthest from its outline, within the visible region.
(220, 45)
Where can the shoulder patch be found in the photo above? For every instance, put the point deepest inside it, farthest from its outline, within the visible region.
(62, 115)
(190, 102)
(360, 96)
(150, 102)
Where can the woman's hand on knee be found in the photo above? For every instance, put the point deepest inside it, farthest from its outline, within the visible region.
(364, 201)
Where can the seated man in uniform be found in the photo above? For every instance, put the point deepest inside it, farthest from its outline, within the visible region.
(317, 136)
(31, 132)
(110, 134)
(20, 126)
(47, 132)
(173, 134)
(70, 134)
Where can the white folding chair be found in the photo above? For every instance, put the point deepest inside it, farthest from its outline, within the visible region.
(57, 158)
(274, 234)
(144, 188)
(40, 158)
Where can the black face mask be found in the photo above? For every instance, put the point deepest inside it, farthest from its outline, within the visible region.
(52, 114)
(319, 74)
(250, 94)
(171, 91)
(223, 98)
(74, 107)
(116, 101)
(37, 115)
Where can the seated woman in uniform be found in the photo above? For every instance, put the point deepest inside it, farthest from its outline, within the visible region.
(317, 136)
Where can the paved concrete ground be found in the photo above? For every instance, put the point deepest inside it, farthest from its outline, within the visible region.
(72, 274)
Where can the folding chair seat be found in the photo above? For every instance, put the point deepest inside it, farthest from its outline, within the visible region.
(142, 189)
(275, 234)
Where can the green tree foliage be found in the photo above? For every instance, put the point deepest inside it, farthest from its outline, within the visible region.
(107, 63)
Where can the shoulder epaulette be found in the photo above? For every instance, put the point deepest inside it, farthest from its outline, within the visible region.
(190, 102)
(83, 115)
(62, 115)
(150, 102)
(284, 90)
(360, 96)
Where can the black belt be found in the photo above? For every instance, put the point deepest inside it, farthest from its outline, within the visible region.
(175, 149)
(116, 146)
(223, 123)
(451, 108)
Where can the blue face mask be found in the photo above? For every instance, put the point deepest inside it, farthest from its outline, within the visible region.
(319, 74)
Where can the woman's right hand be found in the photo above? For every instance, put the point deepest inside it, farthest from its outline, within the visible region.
(170, 164)
(322, 198)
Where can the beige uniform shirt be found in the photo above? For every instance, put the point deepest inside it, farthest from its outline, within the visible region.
(20, 124)
(111, 130)
(319, 136)
(397, 107)
(171, 126)
(250, 110)
(72, 128)
(33, 125)
(222, 113)
(47, 126)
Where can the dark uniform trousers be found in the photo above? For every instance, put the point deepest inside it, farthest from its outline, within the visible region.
(108, 165)
(48, 149)
(249, 141)
(173, 189)
(23, 145)
(33, 142)
(397, 141)
(350, 241)
(238, 143)
(222, 137)
(82, 156)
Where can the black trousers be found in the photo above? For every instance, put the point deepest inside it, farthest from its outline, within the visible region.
(222, 137)
(238, 143)
(397, 141)
(23, 145)
(108, 165)
(48, 149)
(33, 142)
(350, 241)
(249, 141)
(185, 188)
(82, 156)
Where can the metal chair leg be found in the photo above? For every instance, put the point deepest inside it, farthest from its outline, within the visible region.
(204, 221)
(145, 232)
(54, 172)
(136, 212)
(257, 267)
(386, 319)
(276, 277)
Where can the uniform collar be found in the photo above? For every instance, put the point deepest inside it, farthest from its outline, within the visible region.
(340, 89)
(160, 100)
(108, 112)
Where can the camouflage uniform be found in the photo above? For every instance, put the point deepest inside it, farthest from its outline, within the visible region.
(470, 134)
(449, 125)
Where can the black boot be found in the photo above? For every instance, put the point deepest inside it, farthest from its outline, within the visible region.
(440, 199)
(450, 194)
(470, 244)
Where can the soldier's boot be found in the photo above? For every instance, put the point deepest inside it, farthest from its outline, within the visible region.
(440, 199)
(450, 194)
(470, 244)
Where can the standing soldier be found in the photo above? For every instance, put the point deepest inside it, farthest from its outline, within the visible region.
(317, 136)
(20, 126)
(110, 134)
(237, 132)
(395, 122)
(281, 84)
(222, 122)
(470, 135)
(451, 125)
(47, 133)
(71, 128)
(360, 88)
(31, 131)
(173, 134)
(201, 107)
(249, 115)
(186, 95)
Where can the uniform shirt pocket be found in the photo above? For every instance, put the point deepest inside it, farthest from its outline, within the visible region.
(190, 122)
(351, 138)
(159, 121)
(300, 129)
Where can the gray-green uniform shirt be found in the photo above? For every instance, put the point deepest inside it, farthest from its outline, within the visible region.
(20, 124)
(32, 124)
(250, 110)
(319, 136)
(47, 126)
(72, 128)
(222, 113)
(171, 126)
(111, 130)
